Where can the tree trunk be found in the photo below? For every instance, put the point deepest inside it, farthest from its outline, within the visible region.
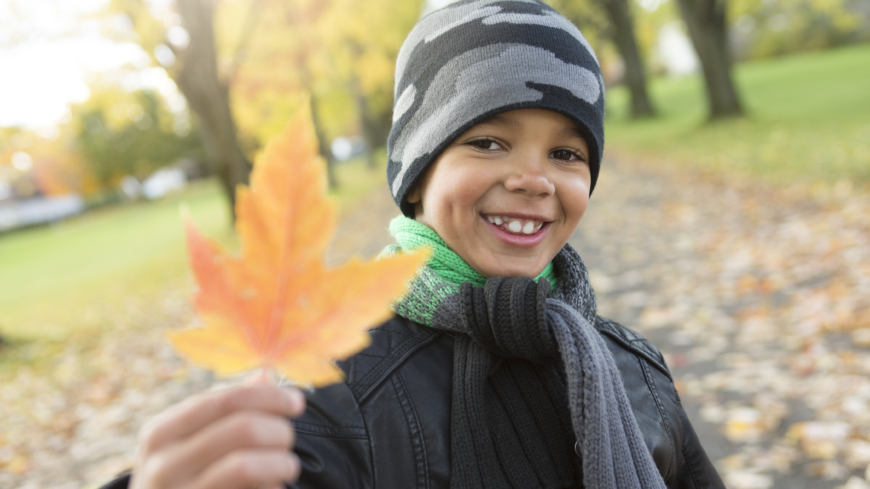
(325, 152)
(208, 97)
(635, 75)
(369, 127)
(706, 20)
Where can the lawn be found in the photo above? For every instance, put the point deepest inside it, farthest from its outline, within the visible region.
(54, 278)
(808, 120)
(72, 280)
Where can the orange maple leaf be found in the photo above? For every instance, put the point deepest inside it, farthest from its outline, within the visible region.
(277, 305)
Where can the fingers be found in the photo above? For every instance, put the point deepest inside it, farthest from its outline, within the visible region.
(235, 438)
(250, 468)
(259, 377)
(192, 415)
(244, 430)
(239, 469)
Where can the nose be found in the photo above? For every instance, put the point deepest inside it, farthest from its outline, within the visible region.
(528, 174)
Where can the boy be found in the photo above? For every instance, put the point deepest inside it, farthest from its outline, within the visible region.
(486, 377)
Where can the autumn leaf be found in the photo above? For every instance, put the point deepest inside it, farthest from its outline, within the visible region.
(277, 305)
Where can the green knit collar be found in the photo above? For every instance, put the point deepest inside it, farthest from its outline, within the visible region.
(446, 263)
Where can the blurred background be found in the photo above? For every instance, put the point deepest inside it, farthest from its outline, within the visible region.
(731, 224)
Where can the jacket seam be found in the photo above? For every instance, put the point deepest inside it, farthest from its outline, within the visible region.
(627, 344)
(371, 447)
(378, 373)
(348, 432)
(413, 422)
(689, 467)
(654, 390)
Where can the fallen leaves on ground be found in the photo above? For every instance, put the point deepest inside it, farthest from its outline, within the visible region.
(101, 389)
(71, 421)
(760, 300)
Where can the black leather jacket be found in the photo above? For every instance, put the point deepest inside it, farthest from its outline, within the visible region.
(388, 425)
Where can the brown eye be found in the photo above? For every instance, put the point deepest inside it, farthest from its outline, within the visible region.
(485, 144)
(565, 155)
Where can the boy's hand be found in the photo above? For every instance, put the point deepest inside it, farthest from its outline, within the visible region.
(235, 438)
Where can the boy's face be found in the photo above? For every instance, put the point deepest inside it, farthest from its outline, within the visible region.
(509, 193)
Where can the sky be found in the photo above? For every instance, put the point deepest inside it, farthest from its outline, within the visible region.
(49, 50)
(436, 4)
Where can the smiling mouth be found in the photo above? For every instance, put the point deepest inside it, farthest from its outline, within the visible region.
(514, 225)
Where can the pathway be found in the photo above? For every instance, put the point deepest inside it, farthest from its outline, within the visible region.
(759, 299)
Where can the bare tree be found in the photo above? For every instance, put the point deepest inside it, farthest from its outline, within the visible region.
(371, 134)
(196, 74)
(622, 33)
(322, 147)
(708, 29)
(208, 96)
(612, 19)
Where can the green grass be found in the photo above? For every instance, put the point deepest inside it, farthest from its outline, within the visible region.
(78, 277)
(58, 279)
(808, 120)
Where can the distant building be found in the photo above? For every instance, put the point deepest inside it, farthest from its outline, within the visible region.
(15, 213)
(23, 204)
(163, 182)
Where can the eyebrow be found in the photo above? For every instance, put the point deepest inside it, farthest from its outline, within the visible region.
(572, 131)
(509, 122)
(501, 120)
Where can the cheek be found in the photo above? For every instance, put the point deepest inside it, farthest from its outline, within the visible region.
(453, 189)
(437, 199)
(574, 201)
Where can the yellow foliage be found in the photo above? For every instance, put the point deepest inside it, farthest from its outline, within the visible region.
(328, 48)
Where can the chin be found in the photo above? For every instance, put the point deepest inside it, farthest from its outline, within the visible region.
(515, 271)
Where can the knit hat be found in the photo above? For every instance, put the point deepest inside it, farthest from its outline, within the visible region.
(477, 58)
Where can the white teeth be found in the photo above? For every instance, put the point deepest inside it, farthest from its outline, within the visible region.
(516, 226)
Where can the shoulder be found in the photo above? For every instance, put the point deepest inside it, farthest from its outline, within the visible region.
(382, 426)
(651, 393)
(631, 341)
(666, 429)
(392, 344)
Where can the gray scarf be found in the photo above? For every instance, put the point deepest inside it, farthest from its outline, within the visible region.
(509, 422)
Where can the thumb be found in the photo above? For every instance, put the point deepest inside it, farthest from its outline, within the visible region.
(260, 376)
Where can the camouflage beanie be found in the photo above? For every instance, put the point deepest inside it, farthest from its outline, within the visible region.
(476, 58)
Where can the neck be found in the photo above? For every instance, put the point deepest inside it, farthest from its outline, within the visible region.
(411, 234)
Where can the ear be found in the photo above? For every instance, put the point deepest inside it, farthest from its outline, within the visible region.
(415, 198)
(414, 195)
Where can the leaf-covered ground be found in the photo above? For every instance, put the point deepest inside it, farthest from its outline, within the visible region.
(760, 299)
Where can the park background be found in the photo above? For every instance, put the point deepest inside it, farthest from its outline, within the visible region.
(730, 224)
